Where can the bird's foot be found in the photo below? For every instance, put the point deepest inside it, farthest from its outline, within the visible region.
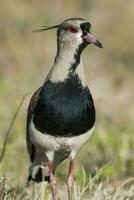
(70, 180)
(53, 186)
(52, 179)
(70, 184)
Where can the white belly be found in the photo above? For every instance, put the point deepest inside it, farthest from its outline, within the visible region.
(51, 144)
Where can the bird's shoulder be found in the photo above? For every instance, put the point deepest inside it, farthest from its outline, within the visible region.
(33, 103)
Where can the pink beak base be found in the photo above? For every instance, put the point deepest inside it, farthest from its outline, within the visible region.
(91, 39)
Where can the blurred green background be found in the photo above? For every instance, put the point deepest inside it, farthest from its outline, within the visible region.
(26, 57)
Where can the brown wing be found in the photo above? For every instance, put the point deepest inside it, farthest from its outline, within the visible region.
(30, 111)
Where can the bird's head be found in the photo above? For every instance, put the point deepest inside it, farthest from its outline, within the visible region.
(74, 32)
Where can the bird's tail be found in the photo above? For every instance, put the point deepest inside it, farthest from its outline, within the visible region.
(38, 173)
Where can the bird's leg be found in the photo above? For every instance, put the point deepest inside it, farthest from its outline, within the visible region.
(52, 179)
(42, 184)
(70, 180)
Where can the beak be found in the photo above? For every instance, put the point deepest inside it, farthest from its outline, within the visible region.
(89, 38)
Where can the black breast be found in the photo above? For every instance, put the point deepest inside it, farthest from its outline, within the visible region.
(64, 108)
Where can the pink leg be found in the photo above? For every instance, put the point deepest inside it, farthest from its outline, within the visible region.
(70, 180)
(52, 179)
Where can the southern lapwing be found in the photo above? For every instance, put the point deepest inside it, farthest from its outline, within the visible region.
(61, 113)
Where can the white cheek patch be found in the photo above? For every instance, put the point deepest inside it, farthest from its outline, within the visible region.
(79, 37)
(75, 39)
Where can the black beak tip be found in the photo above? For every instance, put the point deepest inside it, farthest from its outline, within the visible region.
(98, 44)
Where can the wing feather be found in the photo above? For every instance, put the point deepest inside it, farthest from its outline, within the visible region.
(31, 107)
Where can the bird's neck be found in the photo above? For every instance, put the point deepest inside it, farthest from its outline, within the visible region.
(68, 60)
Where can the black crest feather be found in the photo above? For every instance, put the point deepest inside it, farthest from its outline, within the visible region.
(45, 28)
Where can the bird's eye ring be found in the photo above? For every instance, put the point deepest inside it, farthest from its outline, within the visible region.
(73, 29)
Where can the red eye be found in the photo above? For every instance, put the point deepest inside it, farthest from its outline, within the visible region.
(73, 29)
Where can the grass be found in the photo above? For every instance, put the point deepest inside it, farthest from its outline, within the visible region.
(95, 188)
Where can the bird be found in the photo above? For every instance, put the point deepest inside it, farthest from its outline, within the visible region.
(61, 114)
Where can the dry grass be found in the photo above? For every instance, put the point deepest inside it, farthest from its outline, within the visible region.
(102, 191)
